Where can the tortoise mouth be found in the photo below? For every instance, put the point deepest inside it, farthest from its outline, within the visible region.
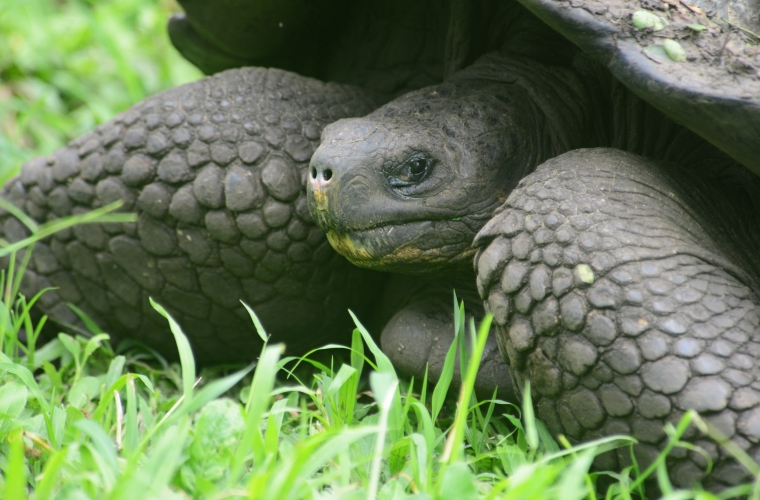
(413, 247)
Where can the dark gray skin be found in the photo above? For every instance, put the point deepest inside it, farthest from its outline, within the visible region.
(623, 288)
(433, 220)
(447, 157)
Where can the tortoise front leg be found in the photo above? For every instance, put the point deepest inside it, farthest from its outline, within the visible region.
(418, 337)
(613, 296)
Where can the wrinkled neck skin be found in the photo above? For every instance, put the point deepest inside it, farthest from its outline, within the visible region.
(406, 188)
(627, 122)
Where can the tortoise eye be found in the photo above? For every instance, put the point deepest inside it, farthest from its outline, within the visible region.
(417, 167)
(410, 172)
(415, 170)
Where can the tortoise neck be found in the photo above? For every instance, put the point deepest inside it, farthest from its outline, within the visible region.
(579, 104)
(568, 111)
(629, 123)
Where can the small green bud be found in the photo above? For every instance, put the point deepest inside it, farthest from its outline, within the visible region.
(645, 19)
(696, 27)
(674, 50)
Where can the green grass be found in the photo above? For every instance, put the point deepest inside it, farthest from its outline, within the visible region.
(79, 419)
(66, 66)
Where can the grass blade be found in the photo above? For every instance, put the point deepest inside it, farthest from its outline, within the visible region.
(216, 388)
(453, 444)
(19, 214)
(529, 419)
(384, 386)
(28, 379)
(15, 484)
(186, 359)
(384, 365)
(99, 215)
(131, 438)
(256, 323)
(50, 475)
(258, 401)
(357, 352)
(103, 447)
(444, 382)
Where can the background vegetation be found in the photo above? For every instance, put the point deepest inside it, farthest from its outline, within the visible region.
(80, 419)
(66, 66)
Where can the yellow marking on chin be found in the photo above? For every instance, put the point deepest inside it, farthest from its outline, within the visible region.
(346, 247)
(361, 256)
(409, 253)
(320, 199)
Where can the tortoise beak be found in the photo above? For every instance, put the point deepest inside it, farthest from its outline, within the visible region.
(323, 193)
(320, 178)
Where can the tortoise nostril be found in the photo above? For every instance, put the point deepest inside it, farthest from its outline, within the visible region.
(327, 174)
(313, 173)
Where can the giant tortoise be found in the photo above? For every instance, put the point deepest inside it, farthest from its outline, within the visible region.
(597, 161)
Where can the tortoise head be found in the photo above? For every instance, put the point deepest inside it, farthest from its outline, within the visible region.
(407, 187)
